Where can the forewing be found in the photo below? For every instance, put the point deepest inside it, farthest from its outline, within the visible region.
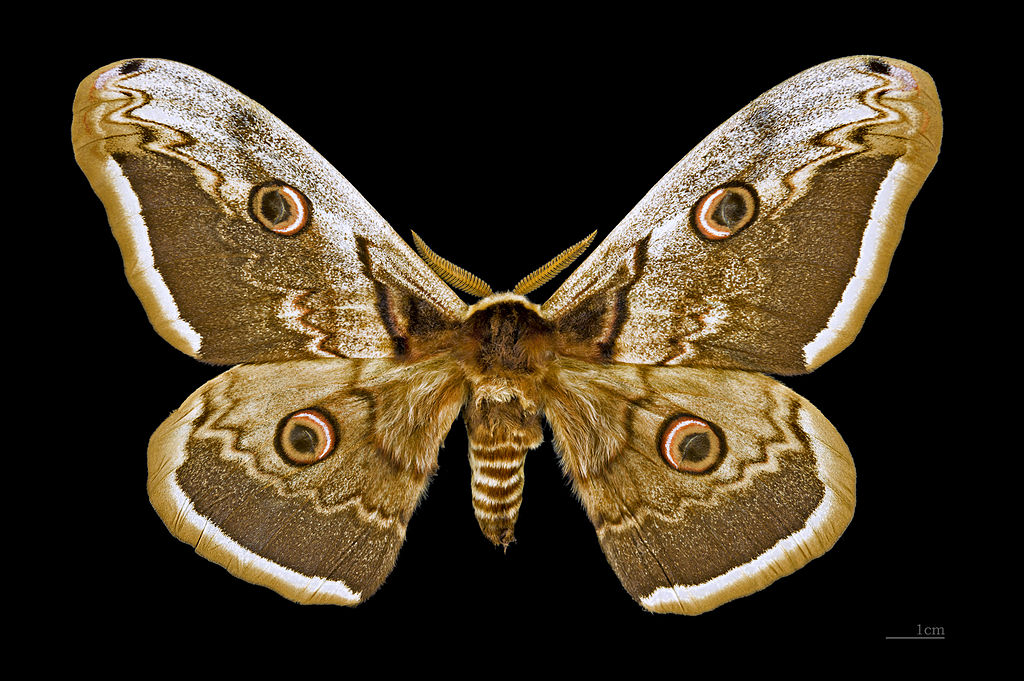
(820, 172)
(242, 242)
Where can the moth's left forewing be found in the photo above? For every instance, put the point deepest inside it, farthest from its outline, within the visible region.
(822, 169)
(764, 485)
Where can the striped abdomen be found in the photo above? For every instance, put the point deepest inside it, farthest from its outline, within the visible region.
(500, 435)
(497, 489)
(504, 348)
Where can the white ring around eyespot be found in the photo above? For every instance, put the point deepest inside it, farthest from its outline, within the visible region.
(668, 438)
(324, 427)
(299, 202)
(702, 217)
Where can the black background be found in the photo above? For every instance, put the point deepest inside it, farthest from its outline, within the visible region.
(502, 147)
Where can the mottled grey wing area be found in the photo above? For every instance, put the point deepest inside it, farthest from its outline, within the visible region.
(182, 162)
(771, 487)
(302, 476)
(831, 159)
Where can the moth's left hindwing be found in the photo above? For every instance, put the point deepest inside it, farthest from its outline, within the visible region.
(298, 475)
(704, 485)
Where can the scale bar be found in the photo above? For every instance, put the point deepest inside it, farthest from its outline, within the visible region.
(904, 638)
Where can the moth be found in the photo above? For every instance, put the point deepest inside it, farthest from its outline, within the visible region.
(706, 480)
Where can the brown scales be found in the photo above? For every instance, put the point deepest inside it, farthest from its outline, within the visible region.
(588, 361)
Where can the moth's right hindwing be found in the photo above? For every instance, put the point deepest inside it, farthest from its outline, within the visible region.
(302, 475)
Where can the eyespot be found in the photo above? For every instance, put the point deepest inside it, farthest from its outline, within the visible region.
(279, 207)
(306, 436)
(725, 210)
(690, 444)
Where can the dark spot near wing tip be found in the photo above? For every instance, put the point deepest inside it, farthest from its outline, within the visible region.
(130, 66)
(879, 66)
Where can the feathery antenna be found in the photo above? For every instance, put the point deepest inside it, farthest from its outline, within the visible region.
(451, 273)
(543, 275)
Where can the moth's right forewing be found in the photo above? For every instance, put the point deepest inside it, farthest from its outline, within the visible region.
(243, 243)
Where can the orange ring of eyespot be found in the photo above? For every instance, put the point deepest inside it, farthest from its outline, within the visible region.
(315, 421)
(676, 430)
(298, 209)
(703, 214)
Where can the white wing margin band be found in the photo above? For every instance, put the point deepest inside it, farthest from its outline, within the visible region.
(133, 235)
(190, 526)
(817, 536)
(882, 235)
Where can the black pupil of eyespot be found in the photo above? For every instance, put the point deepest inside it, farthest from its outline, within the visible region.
(695, 447)
(302, 439)
(274, 207)
(731, 209)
